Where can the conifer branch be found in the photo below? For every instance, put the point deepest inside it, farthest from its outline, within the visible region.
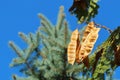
(61, 17)
(21, 56)
(16, 49)
(40, 53)
(46, 28)
(14, 77)
(24, 37)
(43, 18)
(65, 32)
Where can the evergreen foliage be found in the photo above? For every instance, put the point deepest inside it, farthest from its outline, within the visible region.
(45, 58)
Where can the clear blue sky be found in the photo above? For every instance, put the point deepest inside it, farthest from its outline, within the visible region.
(21, 16)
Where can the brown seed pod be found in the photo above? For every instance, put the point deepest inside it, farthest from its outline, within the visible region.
(88, 44)
(79, 51)
(97, 57)
(72, 47)
(117, 56)
(86, 62)
(87, 30)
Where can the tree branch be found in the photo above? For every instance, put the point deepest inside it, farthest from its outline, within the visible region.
(102, 26)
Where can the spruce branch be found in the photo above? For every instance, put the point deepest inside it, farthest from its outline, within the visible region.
(20, 52)
(14, 77)
(24, 37)
(17, 49)
(60, 18)
(45, 27)
(37, 50)
(43, 18)
(65, 32)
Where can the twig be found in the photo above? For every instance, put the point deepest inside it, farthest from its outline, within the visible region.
(106, 28)
(39, 53)
(29, 67)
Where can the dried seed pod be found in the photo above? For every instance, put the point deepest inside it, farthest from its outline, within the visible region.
(86, 62)
(77, 49)
(87, 30)
(72, 47)
(117, 56)
(97, 57)
(88, 43)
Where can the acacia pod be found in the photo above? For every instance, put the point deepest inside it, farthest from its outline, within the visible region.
(88, 44)
(77, 49)
(87, 30)
(117, 56)
(71, 52)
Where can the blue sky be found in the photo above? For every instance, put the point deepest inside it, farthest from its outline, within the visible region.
(21, 16)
